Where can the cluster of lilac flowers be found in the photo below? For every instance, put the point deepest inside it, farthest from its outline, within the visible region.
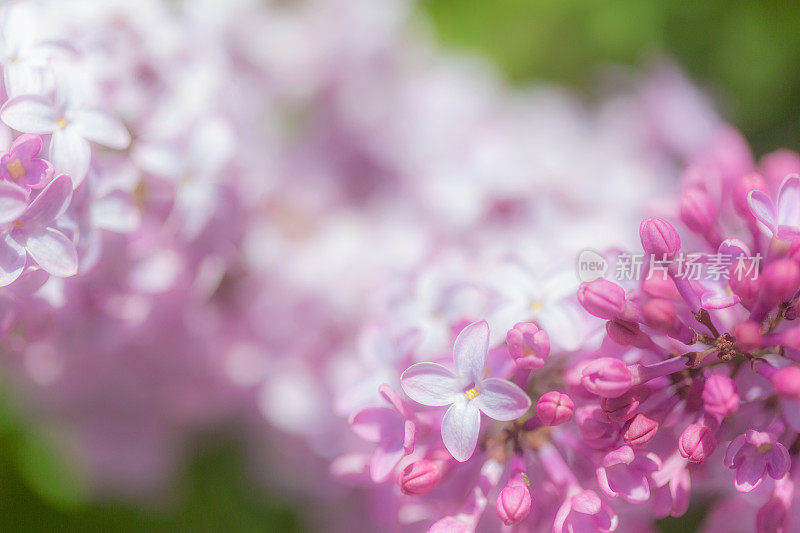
(662, 391)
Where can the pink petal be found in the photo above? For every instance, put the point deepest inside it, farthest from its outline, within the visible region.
(376, 424)
(29, 113)
(460, 427)
(26, 146)
(101, 128)
(54, 252)
(733, 449)
(384, 460)
(13, 202)
(70, 154)
(470, 349)
(501, 400)
(750, 472)
(12, 260)
(789, 201)
(762, 208)
(51, 202)
(431, 384)
(778, 461)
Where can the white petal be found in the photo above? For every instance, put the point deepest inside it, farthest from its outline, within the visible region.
(564, 324)
(21, 79)
(115, 212)
(762, 208)
(431, 384)
(101, 128)
(51, 202)
(12, 260)
(13, 202)
(460, 427)
(70, 154)
(470, 349)
(54, 252)
(502, 400)
(29, 114)
(789, 202)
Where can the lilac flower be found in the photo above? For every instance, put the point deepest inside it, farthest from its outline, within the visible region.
(585, 512)
(784, 222)
(21, 165)
(466, 391)
(753, 455)
(392, 428)
(34, 233)
(626, 473)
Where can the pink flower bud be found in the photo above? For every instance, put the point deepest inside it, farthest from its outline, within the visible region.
(697, 442)
(607, 377)
(787, 381)
(779, 164)
(625, 333)
(419, 477)
(748, 336)
(744, 285)
(660, 287)
(743, 187)
(554, 408)
(623, 407)
(659, 238)
(698, 212)
(639, 430)
(528, 345)
(780, 280)
(773, 517)
(514, 503)
(661, 315)
(602, 298)
(596, 429)
(719, 395)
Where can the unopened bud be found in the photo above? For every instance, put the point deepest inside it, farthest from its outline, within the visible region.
(420, 477)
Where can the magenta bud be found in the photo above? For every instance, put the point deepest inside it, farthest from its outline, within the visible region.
(554, 408)
(720, 396)
(623, 407)
(787, 381)
(660, 287)
(602, 298)
(625, 333)
(661, 315)
(698, 211)
(639, 430)
(659, 238)
(528, 345)
(697, 442)
(745, 286)
(780, 280)
(779, 164)
(607, 377)
(419, 477)
(748, 336)
(743, 187)
(514, 503)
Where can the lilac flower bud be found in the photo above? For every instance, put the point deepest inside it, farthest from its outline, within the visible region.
(772, 517)
(659, 238)
(780, 280)
(623, 407)
(719, 395)
(626, 333)
(639, 430)
(744, 286)
(607, 377)
(660, 287)
(528, 345)
(419, 477)
(748, 336)
(787, 381)
(554, 408)
(697, 442)
(514, 502)
(743, 187)
(602, 298)
(699, 213)
(779, 164)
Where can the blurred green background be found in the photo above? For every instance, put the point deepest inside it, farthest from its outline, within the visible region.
(745, 53)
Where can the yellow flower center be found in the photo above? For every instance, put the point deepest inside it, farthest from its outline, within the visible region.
(536, 307)
(17, 223)
(16, 169)
(471, 393)
(62, 122)
(764, 448)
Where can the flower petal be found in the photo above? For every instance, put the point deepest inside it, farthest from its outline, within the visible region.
(13, 202)
(70, 154)
(778, 461)
(431, 384)
(101, 128)
(750, 473)
(377, 424)
(502, 400)
(29, 113)
(54, 252)
(115, 212)
(460, 427)
(470, 349)
(26, 146)
(12, 260)
(789, 201)
(762, 208)
(564, 324)
(51, 202)
(384, 460)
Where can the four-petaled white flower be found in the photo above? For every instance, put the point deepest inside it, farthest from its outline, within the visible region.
(466, 391)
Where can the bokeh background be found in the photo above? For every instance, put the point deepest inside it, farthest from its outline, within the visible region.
(743, 53)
